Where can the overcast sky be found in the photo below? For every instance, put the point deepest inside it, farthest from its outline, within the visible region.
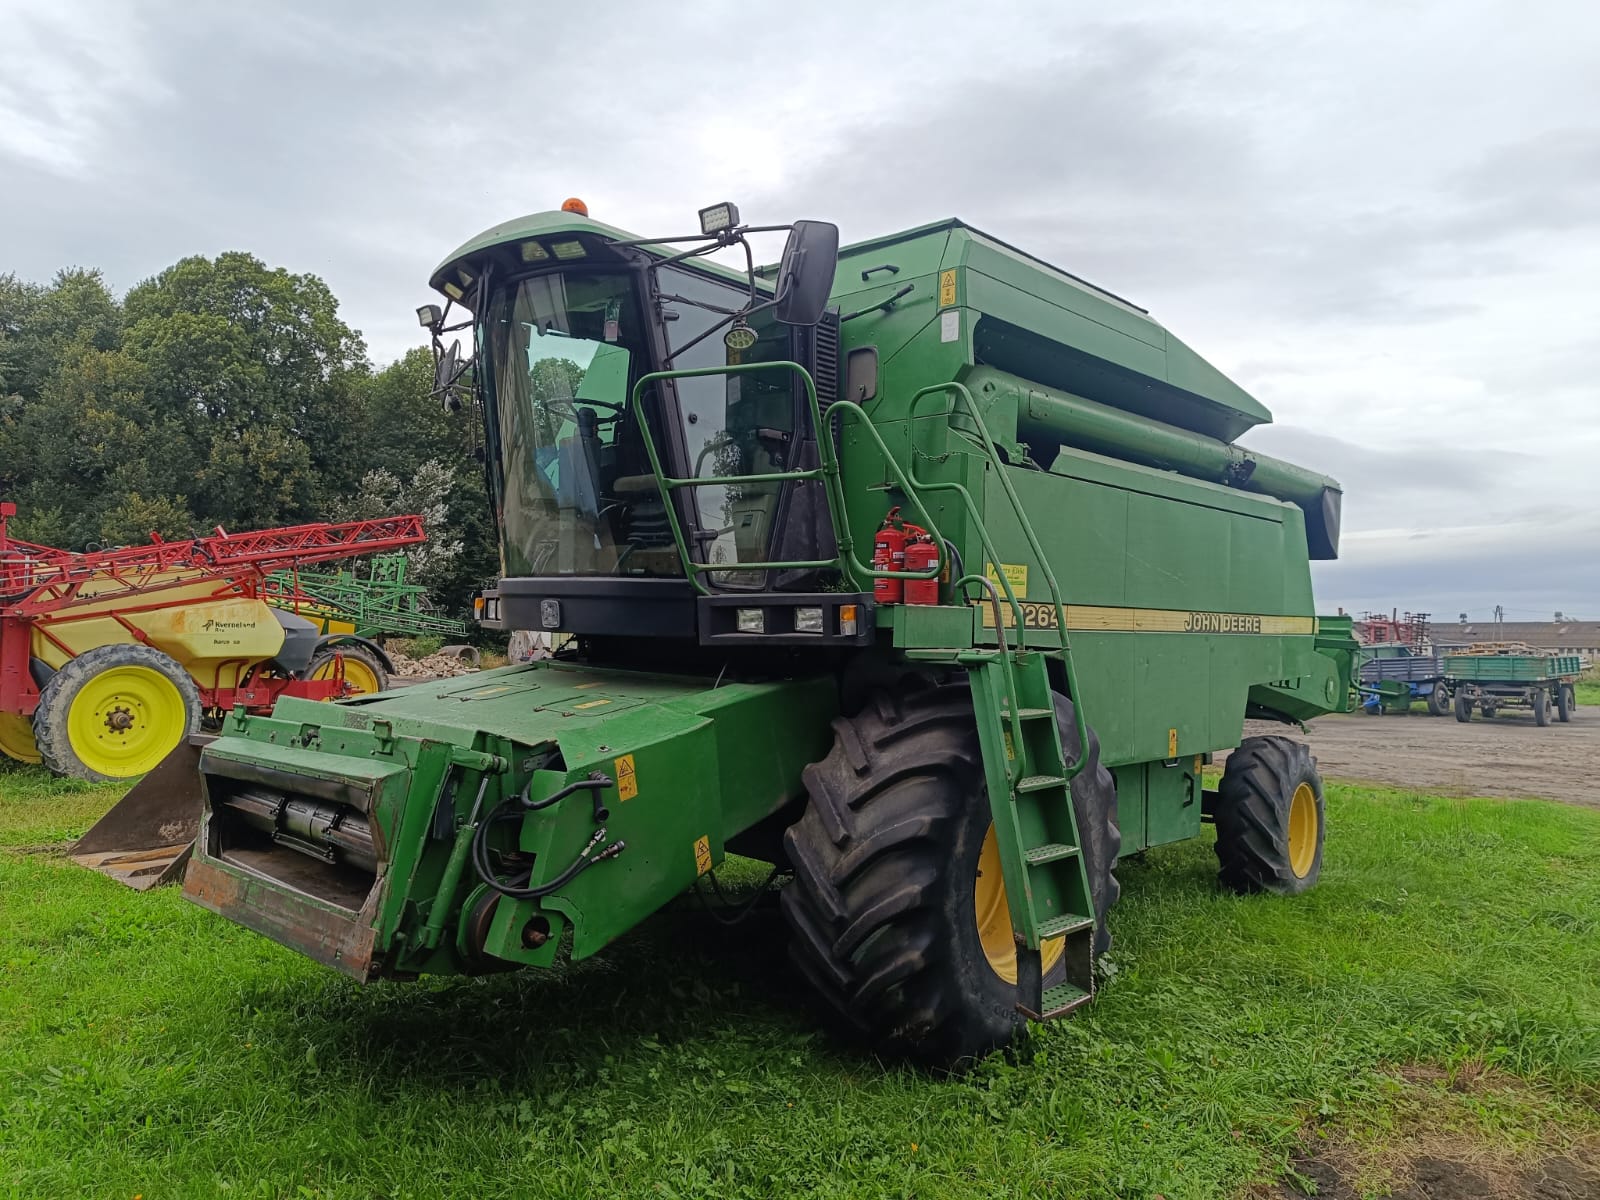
(1382, 218)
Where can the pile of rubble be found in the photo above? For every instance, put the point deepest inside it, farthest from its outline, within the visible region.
(446, 661)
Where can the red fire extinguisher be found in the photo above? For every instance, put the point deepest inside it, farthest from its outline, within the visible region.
(889, 554)
(921, 554)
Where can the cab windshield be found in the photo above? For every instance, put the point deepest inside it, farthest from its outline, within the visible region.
(576, 492)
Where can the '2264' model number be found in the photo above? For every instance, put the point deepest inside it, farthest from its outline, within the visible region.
(1034, 616)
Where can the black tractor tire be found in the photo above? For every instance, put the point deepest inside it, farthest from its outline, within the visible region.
(1438, 701)
(158, 729)
(1253, 816)
(1566, 701)
(1541, 707)
(885, 857)
(1463, 707)
(359, 654)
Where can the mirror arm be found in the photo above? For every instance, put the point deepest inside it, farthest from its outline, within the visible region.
(668, 241)
(727, 320)
(749, 268)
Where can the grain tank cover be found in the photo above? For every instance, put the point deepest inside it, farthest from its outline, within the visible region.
(1035, 320)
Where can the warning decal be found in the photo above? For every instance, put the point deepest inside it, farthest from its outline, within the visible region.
(947, 288)
(702, 856)
(627, 778)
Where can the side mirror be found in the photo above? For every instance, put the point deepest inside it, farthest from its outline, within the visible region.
(447, 372)
(805, 274)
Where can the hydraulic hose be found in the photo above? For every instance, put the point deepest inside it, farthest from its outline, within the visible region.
(519, 805)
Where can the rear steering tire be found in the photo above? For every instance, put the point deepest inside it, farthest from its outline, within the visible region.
(114, 712)
(889, 861)
(1269, 815)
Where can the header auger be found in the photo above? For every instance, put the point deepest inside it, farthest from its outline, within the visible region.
(947, 749)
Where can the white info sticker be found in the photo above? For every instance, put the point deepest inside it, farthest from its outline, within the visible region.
(950, 325)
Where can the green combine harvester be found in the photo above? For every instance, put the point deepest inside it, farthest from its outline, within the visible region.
(922, 570)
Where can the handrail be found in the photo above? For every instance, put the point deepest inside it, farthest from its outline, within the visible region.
(990, 452)
(847, 562)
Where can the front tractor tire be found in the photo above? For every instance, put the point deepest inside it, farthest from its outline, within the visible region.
(897, 916)
(114, 712)
(1270, 817)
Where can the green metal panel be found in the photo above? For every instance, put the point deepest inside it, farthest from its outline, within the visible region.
(1172, 801)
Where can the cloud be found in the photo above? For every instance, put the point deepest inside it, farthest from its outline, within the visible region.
(65, 69)
(1382, 220)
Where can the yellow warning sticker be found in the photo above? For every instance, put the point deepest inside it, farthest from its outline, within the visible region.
(591, 704)
(1172, 743)
(1011, 747)
(702, 855)
(1016, 576)
(578, 687)
(947, 288)
(627, 778)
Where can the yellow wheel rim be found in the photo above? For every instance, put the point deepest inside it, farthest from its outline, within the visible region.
(16, 738)
(358, 674)
(1302, 830)
(994, 916)
(125, 720)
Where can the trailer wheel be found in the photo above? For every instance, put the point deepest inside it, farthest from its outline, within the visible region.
(1269, 815)
(362, 670)
(1438, 700)
(1463, 707)
(1565, 703)
(115, 712)
(893, 892)
(1541, 707)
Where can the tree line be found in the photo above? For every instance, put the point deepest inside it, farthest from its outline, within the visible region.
(224, 392)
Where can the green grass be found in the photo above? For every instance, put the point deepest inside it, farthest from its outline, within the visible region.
(149, 1048)
(1587, 689)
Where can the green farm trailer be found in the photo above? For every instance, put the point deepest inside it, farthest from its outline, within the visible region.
(1491, 682)
(922, 570)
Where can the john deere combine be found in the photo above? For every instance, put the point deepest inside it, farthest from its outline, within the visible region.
(922, 570)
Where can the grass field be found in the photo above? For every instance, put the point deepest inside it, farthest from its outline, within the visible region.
(150, 1049)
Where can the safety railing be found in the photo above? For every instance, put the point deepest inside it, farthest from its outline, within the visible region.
(847, 562)
(960, 392)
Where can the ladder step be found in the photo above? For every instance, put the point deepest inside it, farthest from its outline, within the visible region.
(1040, 783)
(1062, 999)
(1032, 714)
(1060, 926)
(1049, 853)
